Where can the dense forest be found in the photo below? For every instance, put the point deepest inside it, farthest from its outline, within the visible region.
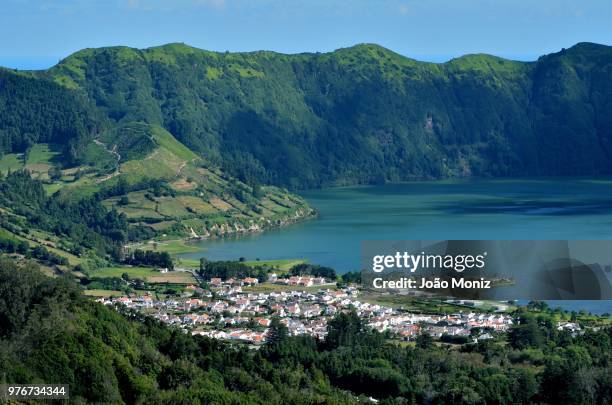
(358, 115)
(34, 111)
(50, 332)
(150, 258)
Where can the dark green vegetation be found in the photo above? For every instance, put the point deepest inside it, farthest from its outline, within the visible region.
(305, 269)
(227, 269)
(77, 225)
(232, 269)
(36, 111)
(149, 258)
(50, 333)
(357, 115)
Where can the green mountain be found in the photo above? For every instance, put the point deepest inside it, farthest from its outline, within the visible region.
(180, 139)
(134, 168)
(361, 114)
(357, 115)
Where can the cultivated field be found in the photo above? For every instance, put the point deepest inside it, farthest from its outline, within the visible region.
(145, 273)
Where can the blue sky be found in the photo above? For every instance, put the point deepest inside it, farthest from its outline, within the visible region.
(38, 33)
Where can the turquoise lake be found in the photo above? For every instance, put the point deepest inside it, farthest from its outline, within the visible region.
(477, 209)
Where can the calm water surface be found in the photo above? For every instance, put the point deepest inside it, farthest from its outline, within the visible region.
(495, 209)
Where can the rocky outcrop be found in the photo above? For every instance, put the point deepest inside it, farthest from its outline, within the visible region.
(253, 226)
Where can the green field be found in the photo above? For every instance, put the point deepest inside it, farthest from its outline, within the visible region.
(173, 247)
(167, 141)
(52, 188)
(72, 259)
(144, 273)
(42, 238)
(279, 266)
(282, 264)
(117, 271)
(41, 153)
(39, 159)
(188, 263)
(11, 162)
(96, 156)
(102, 293)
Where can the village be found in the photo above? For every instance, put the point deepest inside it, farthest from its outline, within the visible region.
(229, 311)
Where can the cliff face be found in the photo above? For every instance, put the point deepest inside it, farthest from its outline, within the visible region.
(252, 226)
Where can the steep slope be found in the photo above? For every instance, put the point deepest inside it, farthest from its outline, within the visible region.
(162, 187)
(361, 114)
(36, 111)
(174, 191)
(59, 234)
(62, 138)
(571, 110)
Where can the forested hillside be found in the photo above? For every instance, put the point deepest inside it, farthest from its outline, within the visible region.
(73, 149)
(362, 114)
(26, 211)
(37, 111)
(50, 333)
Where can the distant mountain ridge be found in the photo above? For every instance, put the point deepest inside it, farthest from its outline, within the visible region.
(362, 114)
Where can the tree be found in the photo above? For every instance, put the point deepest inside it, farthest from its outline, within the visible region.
(55, 173)
(352, 277)
(257, 191)
(304, 269)
(151, 258)
(277, 332)
(526, 335)
(538, 306)
(424, 340)
(23, 247)
(344, 329)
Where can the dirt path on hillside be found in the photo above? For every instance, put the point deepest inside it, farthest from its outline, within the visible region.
(114, 153)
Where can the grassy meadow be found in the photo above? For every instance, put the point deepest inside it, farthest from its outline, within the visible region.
(144, 273)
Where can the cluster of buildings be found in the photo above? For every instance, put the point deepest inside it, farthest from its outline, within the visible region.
(229, 313)
(408, 326)
(233, 282)
(301, 281)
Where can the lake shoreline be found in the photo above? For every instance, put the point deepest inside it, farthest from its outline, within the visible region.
(507, 209)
